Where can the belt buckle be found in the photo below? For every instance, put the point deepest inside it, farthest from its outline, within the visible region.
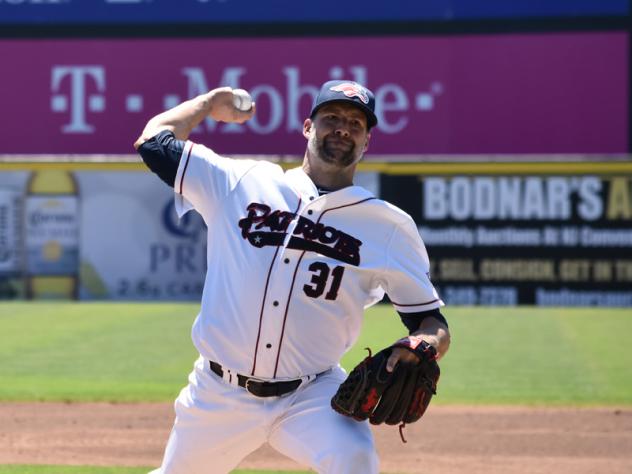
(250, 390)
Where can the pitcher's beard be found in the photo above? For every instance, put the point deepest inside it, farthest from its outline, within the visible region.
(332, 154)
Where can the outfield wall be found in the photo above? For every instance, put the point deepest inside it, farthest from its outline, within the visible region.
(550, 233)
(451, 77)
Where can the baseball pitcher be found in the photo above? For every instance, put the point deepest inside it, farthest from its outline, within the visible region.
(293, 260)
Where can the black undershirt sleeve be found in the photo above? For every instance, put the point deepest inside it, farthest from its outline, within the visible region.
(413, 320)
(161, 153)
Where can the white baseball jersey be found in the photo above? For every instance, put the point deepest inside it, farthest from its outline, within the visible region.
(291, 272)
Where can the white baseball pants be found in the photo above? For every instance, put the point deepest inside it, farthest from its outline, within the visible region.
(217, 425)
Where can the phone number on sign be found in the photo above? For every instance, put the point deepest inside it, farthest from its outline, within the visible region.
(147, 289)
(484, 295)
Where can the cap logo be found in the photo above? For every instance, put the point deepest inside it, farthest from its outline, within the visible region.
(352, 90)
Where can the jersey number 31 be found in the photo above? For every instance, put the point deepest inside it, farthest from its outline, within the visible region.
(320, 276)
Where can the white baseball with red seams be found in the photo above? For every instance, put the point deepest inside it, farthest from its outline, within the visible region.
(289, 276)
(242, 99)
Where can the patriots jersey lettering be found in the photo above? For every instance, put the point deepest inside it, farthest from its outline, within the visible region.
(262, 227)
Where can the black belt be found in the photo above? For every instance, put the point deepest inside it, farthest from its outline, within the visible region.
(260, 388)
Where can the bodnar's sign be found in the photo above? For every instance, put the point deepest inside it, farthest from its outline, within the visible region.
(524, 239)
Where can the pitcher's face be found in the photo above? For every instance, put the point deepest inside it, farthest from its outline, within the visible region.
(338, 134)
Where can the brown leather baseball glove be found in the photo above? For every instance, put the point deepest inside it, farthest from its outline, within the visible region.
(398, 397)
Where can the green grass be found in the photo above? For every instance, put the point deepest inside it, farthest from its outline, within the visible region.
(97, 352)
(43, 469)
(543, 356)
(142, 352)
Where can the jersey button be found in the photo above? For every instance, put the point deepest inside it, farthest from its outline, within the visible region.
(310, 212)
(268, 345)
(287, 260)
(311, 198)
(275, 303)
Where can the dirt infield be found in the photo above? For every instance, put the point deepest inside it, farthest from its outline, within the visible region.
(450, 440)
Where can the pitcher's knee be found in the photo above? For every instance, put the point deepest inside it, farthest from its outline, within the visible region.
(350, 457)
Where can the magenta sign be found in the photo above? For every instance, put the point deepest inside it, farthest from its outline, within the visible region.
(535, 93)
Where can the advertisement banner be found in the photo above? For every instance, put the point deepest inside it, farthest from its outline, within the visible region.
(507, 239)
(133, 247)
(10, 231)
(112, 234)
(275, 11)
(52, 235)
(522, 93)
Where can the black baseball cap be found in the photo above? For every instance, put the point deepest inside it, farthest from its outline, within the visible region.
(347, 91)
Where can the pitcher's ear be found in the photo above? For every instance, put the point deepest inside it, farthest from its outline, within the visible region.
(307, 127)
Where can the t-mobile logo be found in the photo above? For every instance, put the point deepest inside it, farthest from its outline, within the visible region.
(78, 100)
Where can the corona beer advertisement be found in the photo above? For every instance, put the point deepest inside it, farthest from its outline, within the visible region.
(52, 235)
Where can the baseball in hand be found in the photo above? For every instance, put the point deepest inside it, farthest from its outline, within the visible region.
(242, 100)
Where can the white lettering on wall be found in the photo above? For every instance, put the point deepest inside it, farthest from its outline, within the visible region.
(275, 108)
(591, 205)
(391, 98)
(78, 100)
(282, 104)
(512, 198)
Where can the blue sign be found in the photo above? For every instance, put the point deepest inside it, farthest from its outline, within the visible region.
(291, 11)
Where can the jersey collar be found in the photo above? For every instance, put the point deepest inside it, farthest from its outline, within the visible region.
(307, 189)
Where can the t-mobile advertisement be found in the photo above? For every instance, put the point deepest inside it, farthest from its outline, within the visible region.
(531, 93)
